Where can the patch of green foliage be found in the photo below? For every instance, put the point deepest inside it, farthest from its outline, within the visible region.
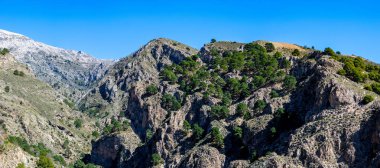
(148, 135)
(44, 162)
(329, 51)
(186, 126)
(273, 131)
(197, 132)
(170, 103)
(368, 99)
(290, 82)
(151, 90)
(219, 112)
(59, 159)
(69, 103)
(156, 159)
(274, 94)
(269, 47)
(95, 134)
(217, 137)
(358, 69)
(78, 123)
(169, 75)
(296, 52)
(81, 164)
(34, 150)
(238, 132)
(116, 126)
(20, 165)
(18, 73)
(260, 105)
(242, 109)
(4, 51)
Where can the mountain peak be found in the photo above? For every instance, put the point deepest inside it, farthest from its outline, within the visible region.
(8, 33)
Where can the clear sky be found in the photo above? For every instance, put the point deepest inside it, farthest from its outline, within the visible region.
(114, 29)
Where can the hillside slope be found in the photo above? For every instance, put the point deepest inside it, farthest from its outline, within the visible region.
(233, 105)
(31, 110)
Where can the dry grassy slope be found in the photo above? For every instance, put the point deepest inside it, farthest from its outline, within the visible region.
(33, 110)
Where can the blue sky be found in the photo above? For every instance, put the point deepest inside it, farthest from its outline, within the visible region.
(114, 29)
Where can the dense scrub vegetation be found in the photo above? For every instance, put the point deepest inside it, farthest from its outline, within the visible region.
(39, 150)
(230, 77)
(359, 70)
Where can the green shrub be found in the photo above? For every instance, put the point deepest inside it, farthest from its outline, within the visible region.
(329, 51)
(186, 126)
(59, 159)
(238, 132)
(226, 99)
(269, 47)
(290, 82)
(18, 73)
(280, 113)
(78, 123)
(148, 135)
(296, 52)
(213, 40)
(242, 109)
(219, 112)
(285, 64)
(368, 99)
(197, 132)
(277, 55)
(254, 156)
(273, 131)
(169, 75)
(151, 90)
(44, 162)
(81, 164)
(20, 165)
(69, 103)
(21, 142)
(7, 89)
(170, 103)
(217, 137)
(156, 159)
(254, 47)
(368, 87)
(258, 81)
(95, 134)
(4, 51)
(260, 105)
(274, 94)
(342, 72)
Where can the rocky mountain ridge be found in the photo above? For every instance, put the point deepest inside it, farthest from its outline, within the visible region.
(319, 123)
(68, 71)
(229, 104)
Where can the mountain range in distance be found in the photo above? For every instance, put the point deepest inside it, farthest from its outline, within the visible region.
(228, 104)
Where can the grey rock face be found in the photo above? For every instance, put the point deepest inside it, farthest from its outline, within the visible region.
(204, 156)
(112, 150)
